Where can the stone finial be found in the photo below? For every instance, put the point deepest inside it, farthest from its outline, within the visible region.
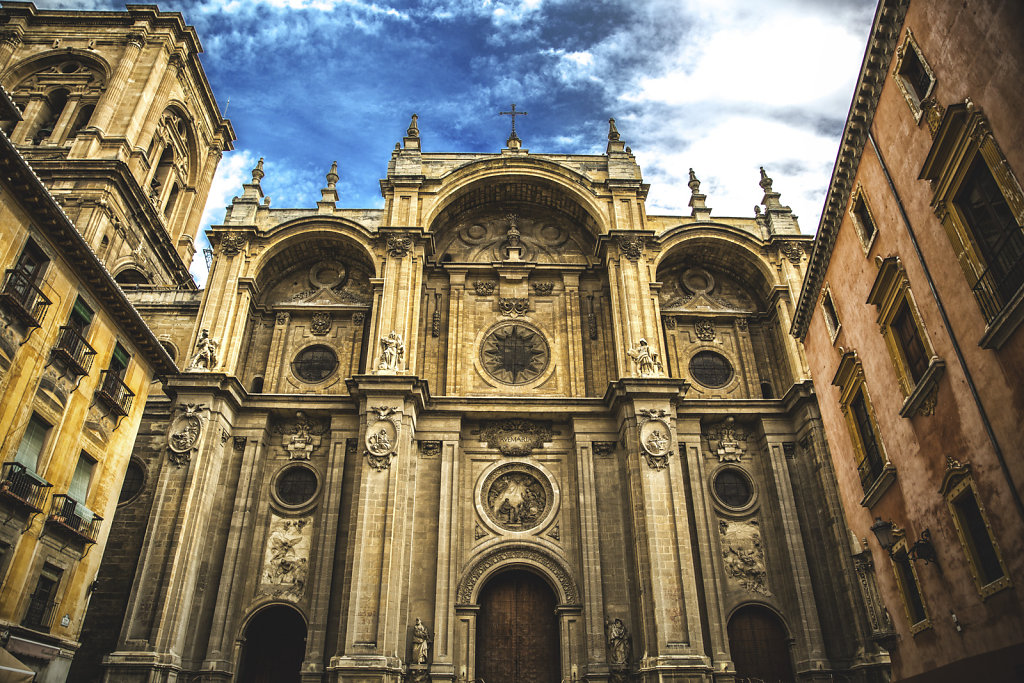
(332, 175)
(757, 210)
(414, 129)
(613, 132)
(694, 183)
(766, 182)
(257, 173)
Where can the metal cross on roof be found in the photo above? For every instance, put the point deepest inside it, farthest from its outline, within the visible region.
(513, 114)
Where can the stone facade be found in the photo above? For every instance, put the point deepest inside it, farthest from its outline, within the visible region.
(911, 315)
(510, 367)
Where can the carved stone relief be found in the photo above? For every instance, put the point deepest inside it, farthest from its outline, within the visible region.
(185, 431)
(792, 251)
(632, 247)
(726, 440)
(399, 245)
(231, 244)
(392, 352)
(464, 593)
(484, 288)
(705, 330)
(205, 357)
(543, 288)
(516, 438)
(513, 306)
(516, 497)
(514, 353)
(430, 449)
(321, 323)
(383, 426)
(302, 436)
(645, 359)
(604, 449)
(743, 555)
(655, 437)
(286, 559)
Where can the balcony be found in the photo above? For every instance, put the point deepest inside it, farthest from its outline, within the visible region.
(73, 350)
(114, 393)
(22, 488)
(72, 518)
(41, 611)
(23, 298)
(998, 284)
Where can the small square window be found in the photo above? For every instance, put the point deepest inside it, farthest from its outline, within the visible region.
(913, 75)
(863, 221)
(828, 310)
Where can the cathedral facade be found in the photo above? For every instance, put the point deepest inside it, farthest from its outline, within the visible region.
(508, 427)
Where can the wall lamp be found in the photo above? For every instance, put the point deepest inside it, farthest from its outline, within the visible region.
(922, 549)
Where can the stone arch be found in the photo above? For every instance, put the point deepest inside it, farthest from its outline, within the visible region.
(521, 556)
(273, 639)
(15, 75)
(131, 276)
(288, 235)
(569, 185)
(740, 252)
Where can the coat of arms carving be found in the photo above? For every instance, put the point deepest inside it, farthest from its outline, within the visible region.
(655, 437)
(382, 428)
(185, 430)
(727, 441)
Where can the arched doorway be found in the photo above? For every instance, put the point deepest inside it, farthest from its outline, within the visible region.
(275, 644)
(517, 637)
(760, 648)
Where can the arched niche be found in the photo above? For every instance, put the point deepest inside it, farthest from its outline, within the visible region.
(131, 276)
(722, 330)
(273, 645)
(315, 269)
(54, 67)
(518, 556)
(555, 224)
(759, 643)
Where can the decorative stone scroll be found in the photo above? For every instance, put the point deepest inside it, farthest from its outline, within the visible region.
(513, 306)
(793, 251)
(543, 288)
(632, 247)
(321, 323)
(604, 449)
(399, 245)
(430, 449)
(655, 437)
(727, 441)
(382, 429)
(231, 244)
(185, 431)
(516, 438)
(512, 556)
(743, 555)
(286, 559)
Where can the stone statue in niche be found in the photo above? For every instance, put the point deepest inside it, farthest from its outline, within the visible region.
(731, 441)
(645, 359)
(205, 357)
(743, 555)
(619, 644)
(392, 350)
(420, 643)
(286, 560)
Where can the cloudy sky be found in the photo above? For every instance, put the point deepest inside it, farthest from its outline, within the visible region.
(722, 86)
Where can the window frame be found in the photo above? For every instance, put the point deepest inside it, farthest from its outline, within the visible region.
(832, 323)
(866, 241)
(889, 293)
(955, 482)
(914, 99)
(900, 553)
(850, 380)
(962, 136)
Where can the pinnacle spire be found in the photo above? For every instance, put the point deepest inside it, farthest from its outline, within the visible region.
(257, 173)
(698, 209)
(414, 128)
(615, 143)
(332, 175)
(613, 132)
(329, 194)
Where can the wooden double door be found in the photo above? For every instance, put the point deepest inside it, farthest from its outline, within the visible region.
(517, 639)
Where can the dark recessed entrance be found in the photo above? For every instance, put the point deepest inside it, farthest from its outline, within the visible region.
(275, 643)
(759, 646)
(517, 637)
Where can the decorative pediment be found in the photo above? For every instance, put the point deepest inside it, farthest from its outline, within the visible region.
(516, 438)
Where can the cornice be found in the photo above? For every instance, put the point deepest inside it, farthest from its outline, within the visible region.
(873, 71)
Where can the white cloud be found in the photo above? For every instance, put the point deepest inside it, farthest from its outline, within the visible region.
(233, 170)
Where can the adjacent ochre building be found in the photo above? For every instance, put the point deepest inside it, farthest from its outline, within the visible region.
(107, 104)
(911, 314)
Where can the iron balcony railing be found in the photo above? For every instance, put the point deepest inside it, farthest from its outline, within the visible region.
(1004, 277)
(22, 487)
(68, 515)
(72, 348)
(23, 298)
(41, 611)
(115, 393)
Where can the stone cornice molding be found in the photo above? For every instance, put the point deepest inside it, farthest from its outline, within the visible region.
(873, 72)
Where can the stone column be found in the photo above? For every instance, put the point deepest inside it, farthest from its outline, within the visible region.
(10, 39)
(225, 308)
(449, 550)
(400, 301)
(375, 622)
(634, 305)
(456, 295)
(67, 116)
(111, 99)
(669, 628)
(29, 120)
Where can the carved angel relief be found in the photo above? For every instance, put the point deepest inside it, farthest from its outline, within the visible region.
(286, 560)
(743, 555)
(383, 426)
(184, 432)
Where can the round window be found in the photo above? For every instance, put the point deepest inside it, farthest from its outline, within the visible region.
(134, 480)
(711, 369)
(733, 488)
(514, 354)
(296, 485)
(315, 363)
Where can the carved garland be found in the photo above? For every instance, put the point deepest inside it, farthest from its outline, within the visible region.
(467, 585)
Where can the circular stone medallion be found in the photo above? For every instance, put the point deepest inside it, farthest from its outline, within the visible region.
(517, 497)
(514, 353)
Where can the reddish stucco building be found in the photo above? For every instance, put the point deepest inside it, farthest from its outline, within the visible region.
(911, 314)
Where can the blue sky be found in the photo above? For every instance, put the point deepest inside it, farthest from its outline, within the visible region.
(722, 86)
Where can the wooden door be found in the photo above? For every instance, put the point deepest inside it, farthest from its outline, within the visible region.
(759, 646)
(275, 644)
(517, 638)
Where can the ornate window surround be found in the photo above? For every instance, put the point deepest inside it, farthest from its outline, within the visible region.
(910, 43)
(850, 380)
(832, 322)
(901, 549)
(957, 483)
(866, 240)
(890, 291)
(962, 135)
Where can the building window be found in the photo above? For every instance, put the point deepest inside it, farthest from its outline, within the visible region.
(79, 488)
(733, 488)
(910, 588)
(711, 369)
(72, 347)
(296, 486)
(315, 363)
(134, 481)
(983, 557)
(32, 442)
(980, 204)
(863, 221)
(21, 294)
(113, 391)
(912, 74)
(873, 467)
(918, 368)
(828, 311)
(42, 602)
